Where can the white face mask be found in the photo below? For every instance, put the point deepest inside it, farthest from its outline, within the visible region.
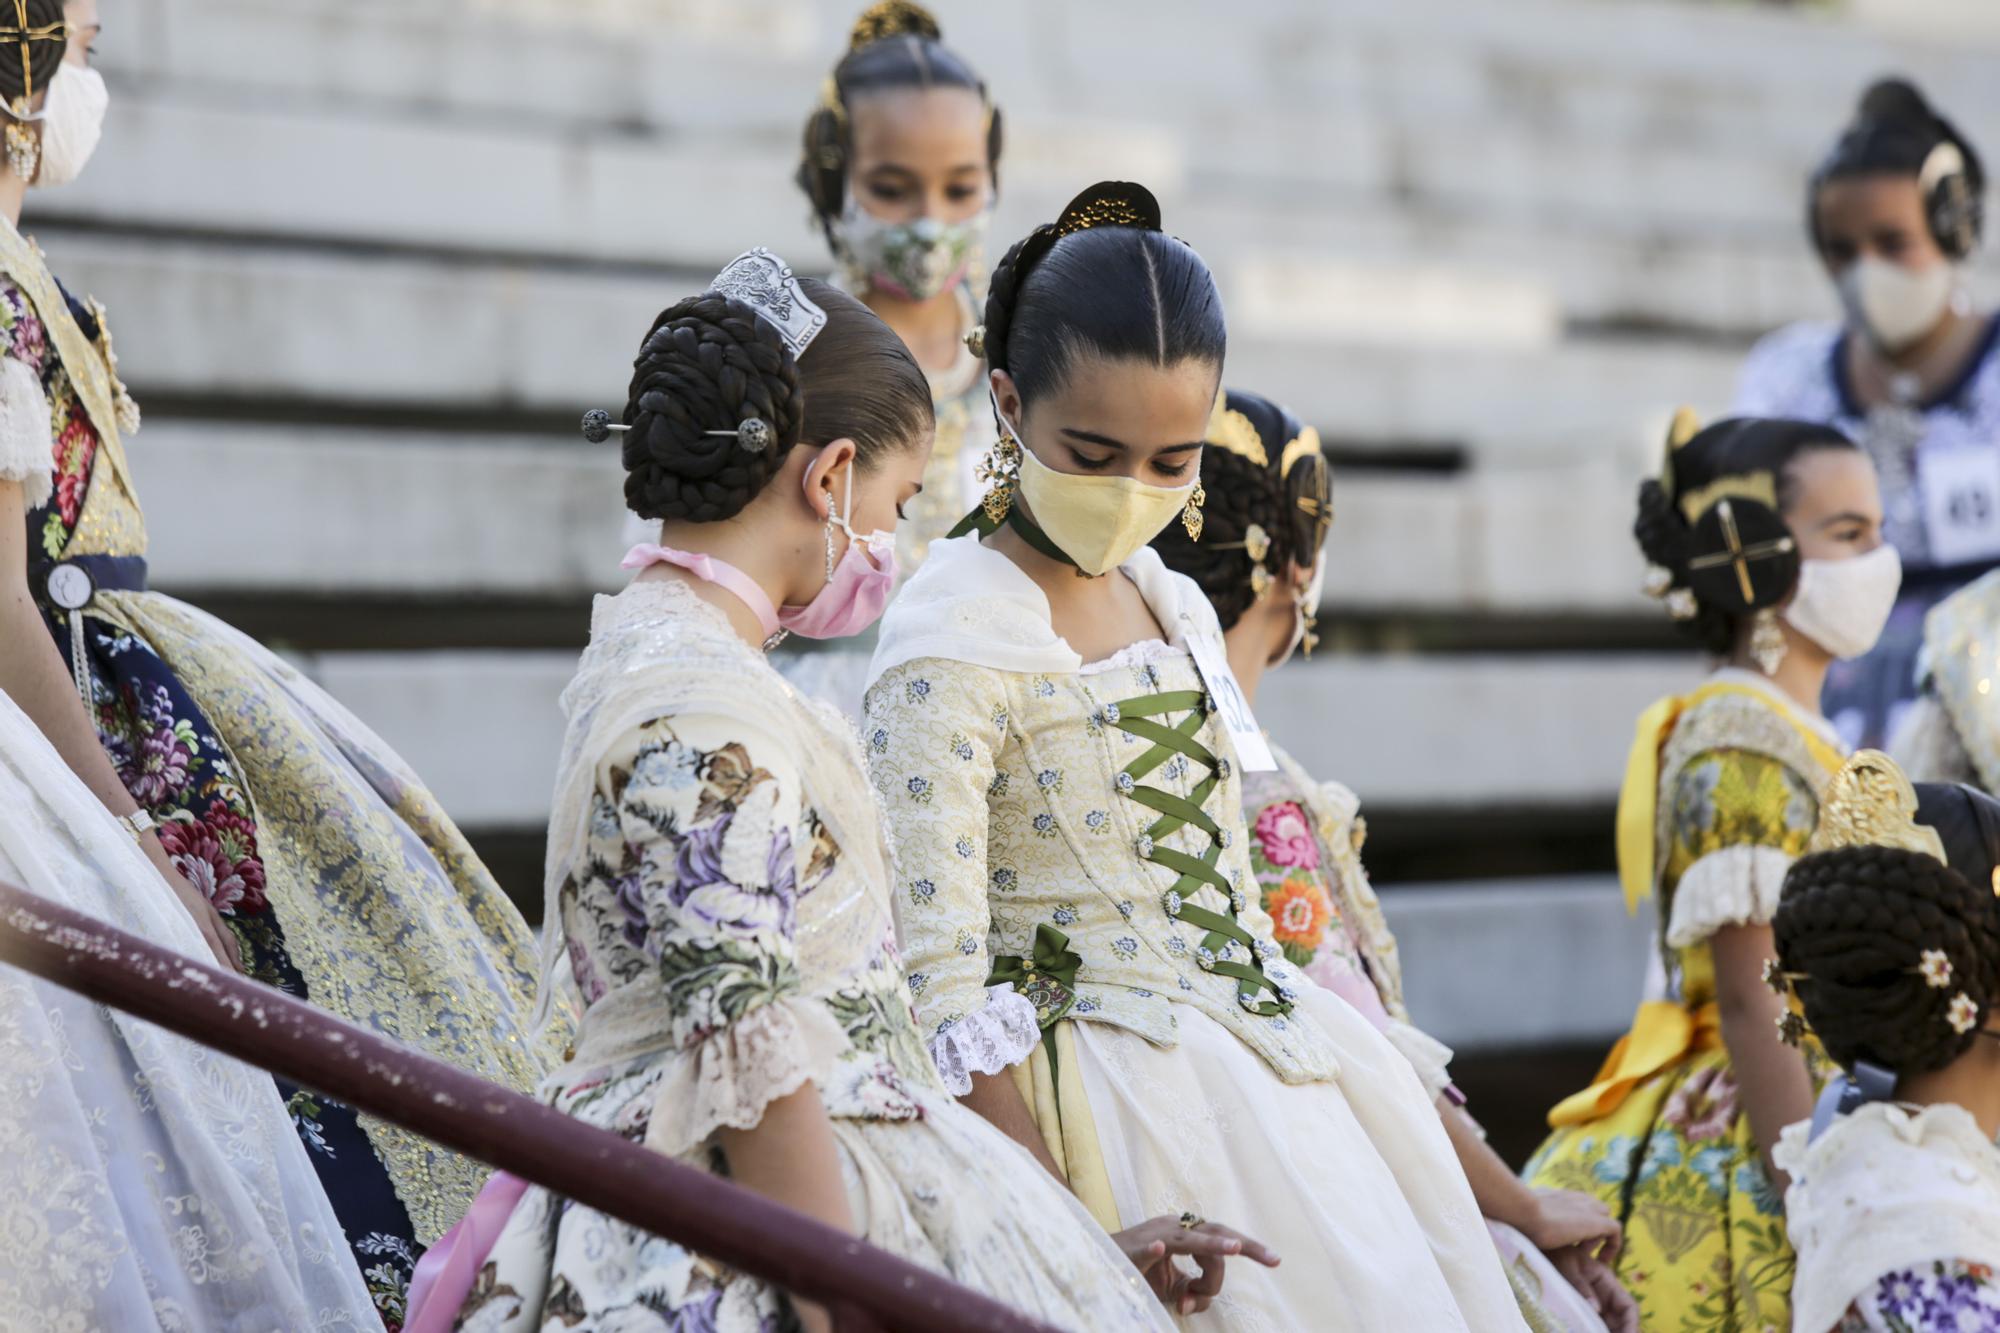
(71, 123)
(1894, 305)
(1842, 605)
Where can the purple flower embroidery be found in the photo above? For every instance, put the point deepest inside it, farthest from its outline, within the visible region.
(160, 770)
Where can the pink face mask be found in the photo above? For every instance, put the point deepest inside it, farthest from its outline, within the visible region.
(857, 588)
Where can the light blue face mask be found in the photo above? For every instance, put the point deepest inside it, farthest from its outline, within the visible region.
(911, 260)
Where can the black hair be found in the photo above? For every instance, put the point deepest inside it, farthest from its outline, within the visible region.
(711, 362)
(1738, 446)
(1103, 281)
(893, 45)
(1894, 131)
(1853, 926)
(45, 54)
(1247, 484)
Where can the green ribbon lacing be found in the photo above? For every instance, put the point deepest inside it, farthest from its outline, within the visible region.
(1136, 717)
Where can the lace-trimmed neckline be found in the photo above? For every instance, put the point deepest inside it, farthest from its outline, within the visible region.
(1143, 653)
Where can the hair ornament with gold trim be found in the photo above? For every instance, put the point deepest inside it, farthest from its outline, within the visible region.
(1231, 430)
(1870, 803)
(893, 18)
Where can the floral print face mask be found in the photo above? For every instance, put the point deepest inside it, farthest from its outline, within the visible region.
(911, 260)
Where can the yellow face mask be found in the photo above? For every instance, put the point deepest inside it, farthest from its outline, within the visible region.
(1098, 522)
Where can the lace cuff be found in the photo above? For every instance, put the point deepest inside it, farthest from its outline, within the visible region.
(1002, 1034)
(1737, 886)
(732, 1075)
(1430, 1057)
(27, 448)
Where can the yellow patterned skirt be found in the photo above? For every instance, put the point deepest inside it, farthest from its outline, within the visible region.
(388, 914)
(1705, 1243)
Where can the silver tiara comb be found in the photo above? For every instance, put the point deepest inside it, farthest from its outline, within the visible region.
(764, 282)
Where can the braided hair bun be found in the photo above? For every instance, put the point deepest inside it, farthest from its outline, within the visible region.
(1243, 471)
(1863, 930)
(708, 364)
(717, 401)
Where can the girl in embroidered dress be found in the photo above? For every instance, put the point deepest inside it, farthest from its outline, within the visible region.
(1888, 934)
(1765, 541)
(1260, 562)
(901, 163)
(1055, 736)
(1894, 213)
(718, 895)
(293, 836)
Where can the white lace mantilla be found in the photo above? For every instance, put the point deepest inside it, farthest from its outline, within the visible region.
(148, 1183)
(999, 1036)
(1884, 1189)
(1735, 886)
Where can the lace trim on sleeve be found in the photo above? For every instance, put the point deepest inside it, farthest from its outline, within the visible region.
(1002, 1034)
(732, 1075)
(27, 447)
(1736, 886)
(1430, 1057)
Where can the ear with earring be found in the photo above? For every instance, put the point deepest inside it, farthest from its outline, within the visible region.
(24, 142)
(1767, 642)
(1191, 512)
(1001, 471)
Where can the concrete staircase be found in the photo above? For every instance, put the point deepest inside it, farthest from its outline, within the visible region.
(368, 261)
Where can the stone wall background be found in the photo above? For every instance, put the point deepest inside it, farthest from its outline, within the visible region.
(367, 261)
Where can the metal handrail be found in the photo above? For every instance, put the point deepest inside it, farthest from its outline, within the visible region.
(865, 1287)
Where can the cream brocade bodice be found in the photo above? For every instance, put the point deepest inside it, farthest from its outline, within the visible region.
(1008, 810)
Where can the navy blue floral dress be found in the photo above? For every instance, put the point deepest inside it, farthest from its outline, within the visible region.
(178, 770)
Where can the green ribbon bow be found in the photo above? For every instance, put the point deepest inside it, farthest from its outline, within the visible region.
(1047, 977)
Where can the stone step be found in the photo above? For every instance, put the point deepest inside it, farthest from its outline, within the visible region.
(406, 333)
(1520, 963)
(1526, 732)
(420, 515)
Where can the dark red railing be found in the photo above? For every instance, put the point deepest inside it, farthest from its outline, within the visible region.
(865, 1287)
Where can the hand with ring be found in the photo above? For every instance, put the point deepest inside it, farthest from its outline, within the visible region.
(1152, 1246)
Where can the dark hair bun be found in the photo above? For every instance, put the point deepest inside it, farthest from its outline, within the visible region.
(1757, 528)
(1894, 101)
(1854, 926)
(708, 364)
(1739, 447)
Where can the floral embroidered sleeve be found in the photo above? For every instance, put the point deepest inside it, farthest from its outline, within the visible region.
(27, 442)
(932, 730)
(1950, 1294)
(1739, 820)
(695, 891)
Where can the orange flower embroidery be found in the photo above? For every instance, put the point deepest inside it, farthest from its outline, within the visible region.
(1299, 913)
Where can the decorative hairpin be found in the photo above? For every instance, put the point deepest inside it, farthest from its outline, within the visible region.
(1870, 803)
(1963, 1013)
(975, 341)
(892, 18)
(764, 282)
(754, 433)
(1234, 431)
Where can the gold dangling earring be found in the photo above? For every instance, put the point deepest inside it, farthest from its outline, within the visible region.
(24, 143)
(1191, 513)
(1767, 642)
(1001, 471)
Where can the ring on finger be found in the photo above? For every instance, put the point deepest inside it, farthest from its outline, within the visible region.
(1189, 1221)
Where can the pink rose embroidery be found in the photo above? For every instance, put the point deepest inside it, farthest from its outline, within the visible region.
(1285, 836)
